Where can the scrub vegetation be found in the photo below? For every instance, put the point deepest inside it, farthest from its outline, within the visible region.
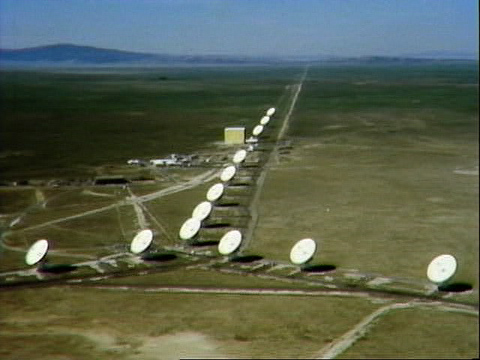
(382, 172)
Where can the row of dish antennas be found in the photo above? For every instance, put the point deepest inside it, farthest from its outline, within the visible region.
(440, 270)
(141, 243)
(231, 241)
(202, 211)
(258, 129)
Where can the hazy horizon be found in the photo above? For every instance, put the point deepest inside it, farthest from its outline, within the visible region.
(284, 28)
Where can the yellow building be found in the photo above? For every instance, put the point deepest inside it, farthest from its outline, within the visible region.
(234, 135)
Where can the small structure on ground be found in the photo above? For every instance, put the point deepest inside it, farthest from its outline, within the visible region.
(234, 135)
(172, 160)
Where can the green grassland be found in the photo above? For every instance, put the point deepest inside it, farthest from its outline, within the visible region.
(383, 173)
(372, 174)
(439, 333)
(242, 326)
(57, 124)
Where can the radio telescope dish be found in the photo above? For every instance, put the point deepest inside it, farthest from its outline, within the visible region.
(36, 252)
(257, 130)
(189, 228)
(264, 120)
(442, 268)
(202, 210)
(228, 173)
(215, 192)
(303, 251)
(230, 242)
(141, 242)
(271, 111)
(239, 156)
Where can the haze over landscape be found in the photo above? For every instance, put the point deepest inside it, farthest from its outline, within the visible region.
(325, 28)
(239, 179)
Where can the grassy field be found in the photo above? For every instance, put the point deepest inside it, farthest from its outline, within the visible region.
(449, 330)
(383, 174)
(384, 180)
(61, 124)
(233, 326)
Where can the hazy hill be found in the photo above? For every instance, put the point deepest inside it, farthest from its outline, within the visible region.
(89, 55)
(444, 55)
(72, 53)
(75, 55)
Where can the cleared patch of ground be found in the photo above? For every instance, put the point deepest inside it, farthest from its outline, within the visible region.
(175, 346)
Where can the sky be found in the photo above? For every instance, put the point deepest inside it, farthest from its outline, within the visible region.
(246, 27)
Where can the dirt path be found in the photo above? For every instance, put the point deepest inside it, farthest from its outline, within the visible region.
(261, 179)
(141, 220)
(439, 304)
(196, 181)
(335, 348)
(136, 201)
(292, 106)
(345, 341)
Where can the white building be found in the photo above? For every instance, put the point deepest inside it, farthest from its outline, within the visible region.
(173, 159)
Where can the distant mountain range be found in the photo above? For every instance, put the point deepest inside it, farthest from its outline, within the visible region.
(69, 54)
(443, 55)
(75, 55)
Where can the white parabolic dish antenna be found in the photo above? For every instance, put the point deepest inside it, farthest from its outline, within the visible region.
(442, 268)
(257, 130)
(264, 120)
(230, 242)
(303, 251)
(36, 252)
(239, 156)
(202, 210)
(228, 173)
(189, 228)
(141, 241)
(215, 192)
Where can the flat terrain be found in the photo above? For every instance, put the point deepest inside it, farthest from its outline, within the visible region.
(378, 164)
(60, 123)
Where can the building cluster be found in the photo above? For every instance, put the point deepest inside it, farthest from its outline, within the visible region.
(171, 160)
